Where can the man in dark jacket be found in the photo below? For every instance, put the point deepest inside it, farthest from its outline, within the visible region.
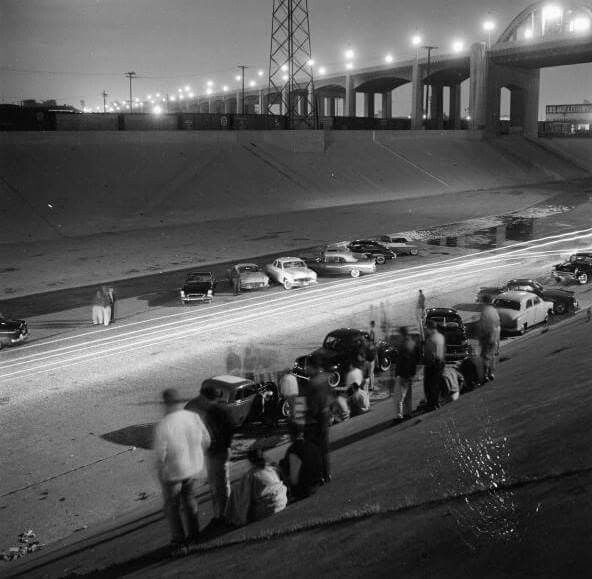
(405, 370)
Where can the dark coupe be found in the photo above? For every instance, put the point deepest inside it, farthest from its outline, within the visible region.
(12, 331)
(577, 268)
(198, 287)
(372, 248)
(449, 323)
(564, 301)
(338, 351)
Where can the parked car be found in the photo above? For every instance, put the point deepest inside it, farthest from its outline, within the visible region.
(12, 331)
(251, 276)
(337, 352)
(340, 263)
(291, 272)
(373, 249)
(450, 323)
(564, 301)
(577, 268)
(519, 311)
(400, 245)
(239, 395)
(199, 286)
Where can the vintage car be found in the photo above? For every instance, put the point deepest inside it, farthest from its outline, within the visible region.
(577, 269)
(519, 311)
(400, 245)
(450, 323)
(291, 272)
(244, 399)
(338, 350)
(12, 331)
(564, 301)
(340, 263)
(199, 286)
(372, 249)
(251, 276)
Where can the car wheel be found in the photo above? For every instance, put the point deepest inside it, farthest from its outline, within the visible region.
(285, 410)
(380, 259)
(334, 379)
(355, 273)
(583, 278)
(523, 329)
(385, 363)
(287, 284)
(559, 308)
(414, 252)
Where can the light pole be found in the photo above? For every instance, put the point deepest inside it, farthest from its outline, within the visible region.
(104, 94)
(489, 27)
(427, 95)
(131, 75)
(242, 69)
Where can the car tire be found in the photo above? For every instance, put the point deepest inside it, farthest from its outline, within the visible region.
(287, 284)
(523, 329)
(380, 259)
(385, 364)
(583, 278)
(355, 273)
(560, 308)
(334, 378)
(286, 409)
(414, 252)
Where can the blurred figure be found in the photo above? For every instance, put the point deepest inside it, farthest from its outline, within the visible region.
(112, 296)
(489, 338)
(434, 362)
(101, 307)
(372, 331)
(233, 362)
(106, 305)
(405, 370)
(219, 424)
(355, 374)
(259, 493)
(289, 391)
(302, 468)
(317, 394)
(180, 439)
(420, 312)
(236, 284)
(339, 409)
(360, 401)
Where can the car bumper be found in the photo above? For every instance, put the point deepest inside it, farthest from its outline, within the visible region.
(196, 298)
(303, 282)
(254, 285)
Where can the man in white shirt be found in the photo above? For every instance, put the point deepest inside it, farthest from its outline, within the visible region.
(180, 439)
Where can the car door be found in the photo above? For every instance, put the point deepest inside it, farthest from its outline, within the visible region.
(539, 313)
(243, 400)
(276, 270)
(332, 264)
(530, 312)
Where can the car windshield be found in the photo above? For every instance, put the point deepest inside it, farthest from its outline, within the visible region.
(507, 304)
(249, 267)
(199, 277)
(293, 264)
(333, 342)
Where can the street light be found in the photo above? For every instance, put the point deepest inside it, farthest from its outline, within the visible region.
(389, 58)
(528, 34)
(580, 24)
(322, 70)
(349, 54)
(310, 62)
(489, 27)
(349, 65)
(416, 40)
(260, 72)
(131, 75)
(458, 46)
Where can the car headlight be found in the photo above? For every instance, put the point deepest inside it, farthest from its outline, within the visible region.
(182, 294)
(209, 292)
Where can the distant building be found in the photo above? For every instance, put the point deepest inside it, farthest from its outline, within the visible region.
(569, 119)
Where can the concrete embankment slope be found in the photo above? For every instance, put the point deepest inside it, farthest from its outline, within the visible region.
(78, 184)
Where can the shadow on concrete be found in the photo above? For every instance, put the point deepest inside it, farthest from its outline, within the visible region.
(138, 435)
(59, 324)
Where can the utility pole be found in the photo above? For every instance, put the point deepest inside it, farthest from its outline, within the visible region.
(104, 94)
(242, 69)
(131, 75)
(427, 95)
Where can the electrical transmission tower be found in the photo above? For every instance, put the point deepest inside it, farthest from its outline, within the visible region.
(291, 84)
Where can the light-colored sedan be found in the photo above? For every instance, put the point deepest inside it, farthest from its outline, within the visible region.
(251, 276)
(519, 311)
(400, 245)
(291, 272)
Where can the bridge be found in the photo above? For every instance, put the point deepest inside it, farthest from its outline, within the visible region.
(542, 35)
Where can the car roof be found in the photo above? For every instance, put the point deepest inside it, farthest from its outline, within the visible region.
(522, 281)
(288, 259)
(342, 332)
(246, 264)
(338, 253)
(441, 311)
(228, 381)
(516, 295)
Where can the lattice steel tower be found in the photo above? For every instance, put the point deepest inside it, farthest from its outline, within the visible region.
(291, 83)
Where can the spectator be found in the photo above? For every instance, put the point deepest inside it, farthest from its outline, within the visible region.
(339, 409)
(101, 310)
(112, 297)
(405, 371)
(372, 332)
(489, 337)
(219, 424)
(180, 439)
(259, 493)
(302, 468)
(355, 374)
(360, 401)
(434, 361)
(317, 394)
(421, 306)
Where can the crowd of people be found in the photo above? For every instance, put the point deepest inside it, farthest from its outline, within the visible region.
(196, 445)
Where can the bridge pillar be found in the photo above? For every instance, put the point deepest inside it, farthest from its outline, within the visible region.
(312, 101)
(263, 100)
(350, 97)
(416, 97)
(331, 106)
(387, 104)
(228, 106)
(454, 112)
(437, 106)
(239, 102)
(478, 87)
(369, 104)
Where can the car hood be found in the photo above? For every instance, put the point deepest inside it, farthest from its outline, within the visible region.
(297, 272)
(253, 276)
(550, 294)
(566, 266)
(197, 286)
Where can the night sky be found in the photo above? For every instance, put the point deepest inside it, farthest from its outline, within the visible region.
(71, 50)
